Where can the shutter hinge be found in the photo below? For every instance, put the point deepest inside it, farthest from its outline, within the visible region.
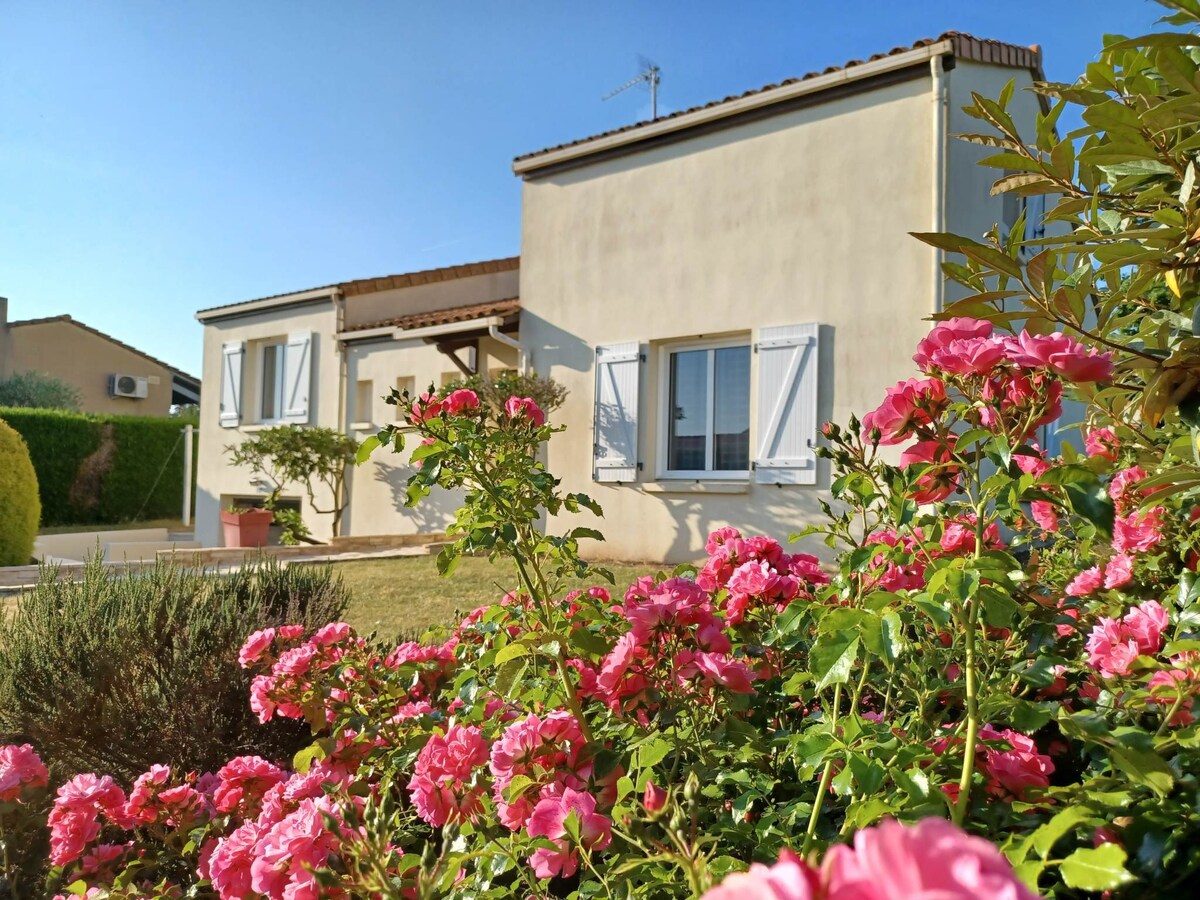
(642, 357)
(641, 467)
(753, 465)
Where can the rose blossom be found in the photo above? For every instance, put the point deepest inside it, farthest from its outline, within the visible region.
(516, 407)
(789, 879)
(547, 820)
(940, 480)
(907, 404)
(969, 356)
(461, 401)
(1014, 771)
(1086, 582)
(654, 798)
(441, 785)
(254, 648)
(932, 860)
(1061, 354)
(1102, 443)
(1138, 532)
(944, 333)
(1118, 572)
(20, 767)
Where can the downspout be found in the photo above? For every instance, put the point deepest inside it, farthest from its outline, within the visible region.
(940, 101)
(522, 354)
(339, 309)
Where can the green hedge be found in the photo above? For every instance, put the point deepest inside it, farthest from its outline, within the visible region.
(122, 489)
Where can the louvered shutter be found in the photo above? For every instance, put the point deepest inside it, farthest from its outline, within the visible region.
(232, 356)
(615, 441)
(297, 379)
(787, 405)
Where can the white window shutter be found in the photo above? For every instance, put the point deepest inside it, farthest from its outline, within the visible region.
(787, 405)
(297, 378)
(232, 356)
(615, 441)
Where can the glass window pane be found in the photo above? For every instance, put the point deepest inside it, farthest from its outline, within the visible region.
(687, 427)
(270, 381)
(731, 409)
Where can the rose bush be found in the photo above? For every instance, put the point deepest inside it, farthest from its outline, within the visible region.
(989, 693)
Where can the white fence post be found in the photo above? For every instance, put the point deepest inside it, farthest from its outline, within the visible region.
(187, 475)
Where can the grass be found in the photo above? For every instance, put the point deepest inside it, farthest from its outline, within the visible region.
(406, 595)
(169, 524)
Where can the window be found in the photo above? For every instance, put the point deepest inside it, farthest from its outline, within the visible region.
(273, 357)
(404, 383)
(706, 410)
(364, 399)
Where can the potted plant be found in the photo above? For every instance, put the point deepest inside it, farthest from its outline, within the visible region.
(246, 526)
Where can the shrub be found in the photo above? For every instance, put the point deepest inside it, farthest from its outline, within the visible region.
(35, 390)
(20, 508)
(102, 469)
(115, 672)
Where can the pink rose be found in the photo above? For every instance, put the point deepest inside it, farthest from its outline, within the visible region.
(424, 408)
(461, 401)
(443, 786)
(547, 820)
(1102, 443)
(1118, 572)
(517, 407)
(1086, 582)
(1138, 532)
(1045, 514)
(254, 648)
(20, 768)
(969, 356)
(943, 333)
(1012, 772)
(908, 404)
(932, 860)
(789, 879)
(1146, 623)
(940, 480)
(1062, 355)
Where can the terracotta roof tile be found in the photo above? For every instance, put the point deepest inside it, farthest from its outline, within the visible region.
(509, 307)
(965, 46)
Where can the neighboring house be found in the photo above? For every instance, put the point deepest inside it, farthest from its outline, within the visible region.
(111, 376)
(328, 356)
(726, 278)
(709, 287)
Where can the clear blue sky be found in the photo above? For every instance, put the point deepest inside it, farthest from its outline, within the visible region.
(159, 157)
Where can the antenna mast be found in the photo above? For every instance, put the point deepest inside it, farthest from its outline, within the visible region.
(651, 75)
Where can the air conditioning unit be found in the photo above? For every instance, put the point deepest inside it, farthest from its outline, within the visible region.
(136, 387)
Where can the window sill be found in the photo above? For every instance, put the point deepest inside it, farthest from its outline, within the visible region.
(666, 486)
(363, 426)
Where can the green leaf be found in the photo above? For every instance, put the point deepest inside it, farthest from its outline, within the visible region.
(511, 652)
(833, 657)
(366, 448)
(1144, 767)
(304, 759)
(1046, 836)
(1099, 869)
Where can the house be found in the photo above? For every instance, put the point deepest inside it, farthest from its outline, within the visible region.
(709, 286)
(111, 376)
(328, 356)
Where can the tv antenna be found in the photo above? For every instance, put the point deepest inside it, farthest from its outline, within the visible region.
(651, 76)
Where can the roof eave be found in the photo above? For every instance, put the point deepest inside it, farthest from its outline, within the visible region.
(253, 307)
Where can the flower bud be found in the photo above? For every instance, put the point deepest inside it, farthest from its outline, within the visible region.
(691, 787)
(655, 798)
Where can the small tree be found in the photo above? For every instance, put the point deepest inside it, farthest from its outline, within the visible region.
(312, 457)
(35, 390)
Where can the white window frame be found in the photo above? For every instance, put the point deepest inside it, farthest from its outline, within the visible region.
(664, 404)
(280, 379)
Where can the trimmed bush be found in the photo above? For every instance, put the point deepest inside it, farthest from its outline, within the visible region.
(114, 673)
(36, 390)
(102, 469)
(19, 505)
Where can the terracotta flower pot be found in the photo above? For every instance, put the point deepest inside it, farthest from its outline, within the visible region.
(247, 528)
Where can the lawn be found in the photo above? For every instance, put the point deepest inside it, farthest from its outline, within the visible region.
(406, 595)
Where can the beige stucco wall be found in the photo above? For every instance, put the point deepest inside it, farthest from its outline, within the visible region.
(86, 360)
(217, 482)
(797, 218)
(377, 487)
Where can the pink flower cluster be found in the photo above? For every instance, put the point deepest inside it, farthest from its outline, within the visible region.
(431, 406)
(1114, 644)
(21, 770)
(932, 860)
(519, 408)
(1180, 685)
(289, 687)
(1115, 573)
(154, 801)
(81, 807)
(756, 573)
(1014, 769)
(444, 786)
